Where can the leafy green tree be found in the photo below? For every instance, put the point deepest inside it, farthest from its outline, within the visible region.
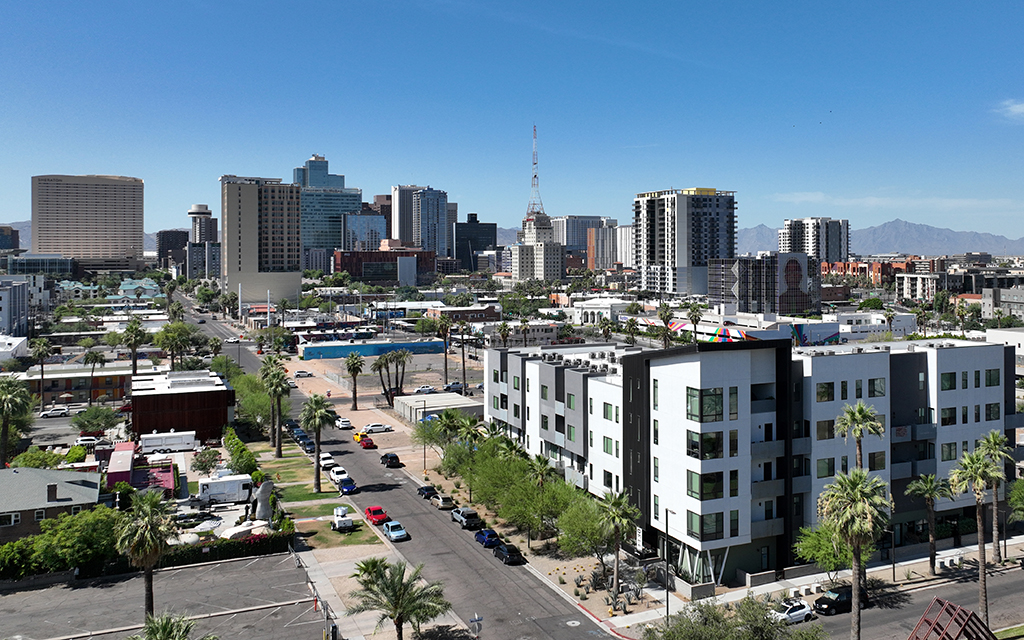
(426, 326)
(254, 403)
(36, 458)
(96, 419)
(226, 367)
(976, 472)
(858, 421)
(41, 350)
(175, 338)
(78, 540)
(354, 367)
(871, 304)
(134, 336)
(823, 546)
(75, 455)
(994, 446)
(931, 489)
(205, 461)
(314, 417)
(398, 597)
(15, 400)
(617, 514)
(142, 534)
(167, 626)
(582, 531)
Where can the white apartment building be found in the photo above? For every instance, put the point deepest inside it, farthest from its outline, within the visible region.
(734, 442)
(858, 325)
(823, 239)
(625, 246)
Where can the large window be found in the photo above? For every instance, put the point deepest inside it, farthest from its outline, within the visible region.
(826, 429)
(515, 411)
(608, 447)
(608, 479)
(571, 433)
(544, 422)
(876, 387)
(543, 392)
(992, 411)
(734, 403)
(712, 527)
(826, 467)
(704, 405)
(947, 381)
(609, 413)
(825, 391)
(570, 401)
(948, 451)
(991, 377)
(9, 519)
(707, 446)
(708, 486)
(947, 416)
(876, 461)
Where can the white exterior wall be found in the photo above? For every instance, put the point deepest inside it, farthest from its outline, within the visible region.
(601, 391)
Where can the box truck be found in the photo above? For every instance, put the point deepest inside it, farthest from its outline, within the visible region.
(168, 442)
(223, 490)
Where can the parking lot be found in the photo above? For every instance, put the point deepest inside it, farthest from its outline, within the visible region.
(262, 598)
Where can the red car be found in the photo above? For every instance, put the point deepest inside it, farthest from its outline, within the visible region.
(367, 443)
(375, 515)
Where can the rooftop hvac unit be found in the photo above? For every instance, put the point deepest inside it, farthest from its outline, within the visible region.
(612, 358)
(604, 367)
(613, 370)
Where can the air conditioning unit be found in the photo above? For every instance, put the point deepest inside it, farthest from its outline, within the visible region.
(593, 355)
(612, 358)
(613, 370)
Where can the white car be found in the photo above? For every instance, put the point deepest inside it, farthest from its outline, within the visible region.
(377, 427)
(303, 374)
(424, 389)
(231, 340)
(291, 384)
(793, 610)
(336, 474)
(86, 441)
(343, 423)
(56, 412)
(327, 461)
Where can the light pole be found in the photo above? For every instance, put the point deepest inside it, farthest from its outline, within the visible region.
(892, 532)
(423, 415)
(668, 552)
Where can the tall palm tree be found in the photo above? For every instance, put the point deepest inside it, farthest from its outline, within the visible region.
(504, 330)
(665, 315)
(976, 472)
(538, 470)
(889, 316)
(961, 316)
(315, 416)
(168, 627)
(93, 358)
(857, 506)
(632, 328)
(463, 330)
(694, 313)
(605, 326)
(444, 330)
(858, 421)
(617, 514)
(921, 316)
(216, 344)
(400, 359)
(994, 446)
(15, 400)
(524, 328)
(176, 312)
(134, 336)
(931, 489)
(41, 350)
(998, 314)
(275, 381)
(398, 597)
(142, 534)
(354, 366)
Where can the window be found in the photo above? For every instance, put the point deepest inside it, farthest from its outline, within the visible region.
(657, 508)
(571, 433)
(543, 422)
(616, 414)
(734, 483)
(977, 413)
(876, 461)
(992, 411)
(734, 403)
(769, 509)
(655, 394)
(704, 405)
(826, 429)
(527, 384)
(843, 391)
(947, 416)
(859, 391)
(876, 388)
(977, 379)
(616, 448)
(826, 467)
(844, 464)
(693, 525)
(515, 411)
(947, 381)
(75, 510)
(706, 446)
(590, 401)
(591, 434)
(543, 392)
(991, 377)
(495, 376)
(608, 414)
(948, 451)
(734, 443)
(963, 379)
(655, 469)
(570, 401)
(494, 402)
(608, 479)
(515, 382)
(963, 415)
(40, 514)
(734, 524)
(655, 432)
(920, 381)
(608, 445)
(9, 519)
(712, 527)
(825, 391)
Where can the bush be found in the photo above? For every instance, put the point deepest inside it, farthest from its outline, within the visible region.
(16, 559)
(123, 488)
(258, 477)
(75, 454)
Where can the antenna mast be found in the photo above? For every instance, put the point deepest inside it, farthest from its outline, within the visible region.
(535, 206)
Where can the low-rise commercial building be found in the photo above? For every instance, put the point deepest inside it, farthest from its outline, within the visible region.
(199, 401)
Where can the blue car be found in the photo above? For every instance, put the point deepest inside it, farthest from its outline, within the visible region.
(488, 537)
(347, 485)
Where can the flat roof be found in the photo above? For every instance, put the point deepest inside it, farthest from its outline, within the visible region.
(426, 402)
(176, 382)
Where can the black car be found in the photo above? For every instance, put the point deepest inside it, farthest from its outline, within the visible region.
(290, 424)
(426, 492)
(839, 600)
(508, 554)
(309, 446)
(298, 434)
(390, 460)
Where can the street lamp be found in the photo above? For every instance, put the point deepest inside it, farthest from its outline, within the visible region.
(668, 552)
(423, 414)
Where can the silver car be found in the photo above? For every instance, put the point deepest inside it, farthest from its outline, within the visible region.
(377, 427)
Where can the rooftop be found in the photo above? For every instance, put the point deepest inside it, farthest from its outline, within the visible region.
(149, 384)
(25, 488)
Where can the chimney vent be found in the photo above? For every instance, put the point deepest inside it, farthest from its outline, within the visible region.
(51, 493)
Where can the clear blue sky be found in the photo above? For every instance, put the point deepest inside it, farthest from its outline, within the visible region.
(868, 111)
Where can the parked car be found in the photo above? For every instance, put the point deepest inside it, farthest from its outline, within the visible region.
(426, 388)
(327, 461)
(453, 387)
(793, 610)
(337, 474)
(442, 501)
(377, 427)
(390, 460)
(56, 412)
(290, 425)
(302, 374)
(297, 433)
(467, 518)
(343, 423)
(292, 384)
(427, 491)
(375, 515)
(367, 443)
(86, 441)
(395, 531)
(231, 340)
(359, 435)
(840, 600)
(308, 446)
(487, 537)
(508, 554)
(347, 485)
(479, 385)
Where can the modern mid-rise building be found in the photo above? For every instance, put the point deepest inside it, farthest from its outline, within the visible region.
(170, 246)
(202, 260)
(96, 219)
(364, 231)
(430, 228)
(204, 225)
(382, 204)
(260, 244)
(401, 211)
(823, 239)
(472, 236)
(571, 231)
(677, 232)
(726, 447)
(14, 306)
(780, 283)
(624, 246)
(325, 202)
(9, 239)
(602, 245)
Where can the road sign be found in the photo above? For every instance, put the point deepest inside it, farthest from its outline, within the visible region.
(476, 624)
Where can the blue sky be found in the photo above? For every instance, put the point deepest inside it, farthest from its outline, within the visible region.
(867, 111)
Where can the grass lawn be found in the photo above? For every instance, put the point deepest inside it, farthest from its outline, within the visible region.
(304, 492)
(318, 535)
(316, 510)
(291, 470)
(193, 487)
(1013, 633)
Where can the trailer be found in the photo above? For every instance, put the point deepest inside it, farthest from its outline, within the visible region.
(168, 442)
(224, 490)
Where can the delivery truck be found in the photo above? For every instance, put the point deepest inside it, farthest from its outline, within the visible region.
(168, 442)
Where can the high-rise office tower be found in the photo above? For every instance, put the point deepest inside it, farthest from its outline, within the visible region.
(204, 225)
(823, 239)
(401, 212)
(430, 230)
(170, 246)
(624, 241)
(602, 245)
(96, 219)
(381, 204)
(472, 236)
(260, 242)
(10, 240)
(325, 202)
(571, 231)
(453, 217)
(677, 232)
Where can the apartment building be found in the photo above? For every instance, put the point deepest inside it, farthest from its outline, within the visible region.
(823, 239)
(725, 447)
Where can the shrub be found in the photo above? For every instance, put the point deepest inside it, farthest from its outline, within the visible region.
(123, 488)
(75, 454)
(16, 559)
(258, 477)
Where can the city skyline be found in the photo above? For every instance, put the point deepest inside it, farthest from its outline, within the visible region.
(804, 111)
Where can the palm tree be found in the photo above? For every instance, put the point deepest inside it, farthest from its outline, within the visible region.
(857, 506)
(216, 344)
(382, 367)
(354, 366)
(921, 316)
(694, 313)
(858, 421)
(444, 330)
(889, 316)
(632, 328)
(617, 514)
(142, 534)
(400, 359)
(168, 627)
(41, 350)
(605, 326)
(976, 472)
(961, 316)
(504, 330)
(93, 358)
(134, 336)
(176, 312)
(524, 328)
(998, 313)
(275, 382)
(463, 329)
(538, 470)
(931, 489)
(994, 447)
(665, 315)
(316, 415)
(399, 598)
(15, 400)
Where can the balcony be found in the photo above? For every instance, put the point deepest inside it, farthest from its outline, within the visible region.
(925, 467)
(767, 489)
(925, 431)
(767, 528)
(801, 446)
(770, 449)
(802, 484)
(901, 470)
(762, 406)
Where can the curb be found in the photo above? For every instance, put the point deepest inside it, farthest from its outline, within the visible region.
(601, 623)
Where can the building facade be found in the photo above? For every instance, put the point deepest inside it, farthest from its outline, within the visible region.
(33, 495)
(10, 239)
(204, 225)
(430, 228)
(364, 231)
(677, 232)
(538, 256)
(824, 239)
(170, 246)
(401, 211)
(325, 201)
(14, 306)
(780, 283)
(602, 245)
(625, 249)
(202, 260)
(473, 236)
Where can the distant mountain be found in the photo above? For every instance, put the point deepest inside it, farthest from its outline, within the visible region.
(759, 238)
(25, 235)
(507, 236)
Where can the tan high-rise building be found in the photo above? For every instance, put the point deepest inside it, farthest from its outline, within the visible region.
(95, 219)
(261, 248)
